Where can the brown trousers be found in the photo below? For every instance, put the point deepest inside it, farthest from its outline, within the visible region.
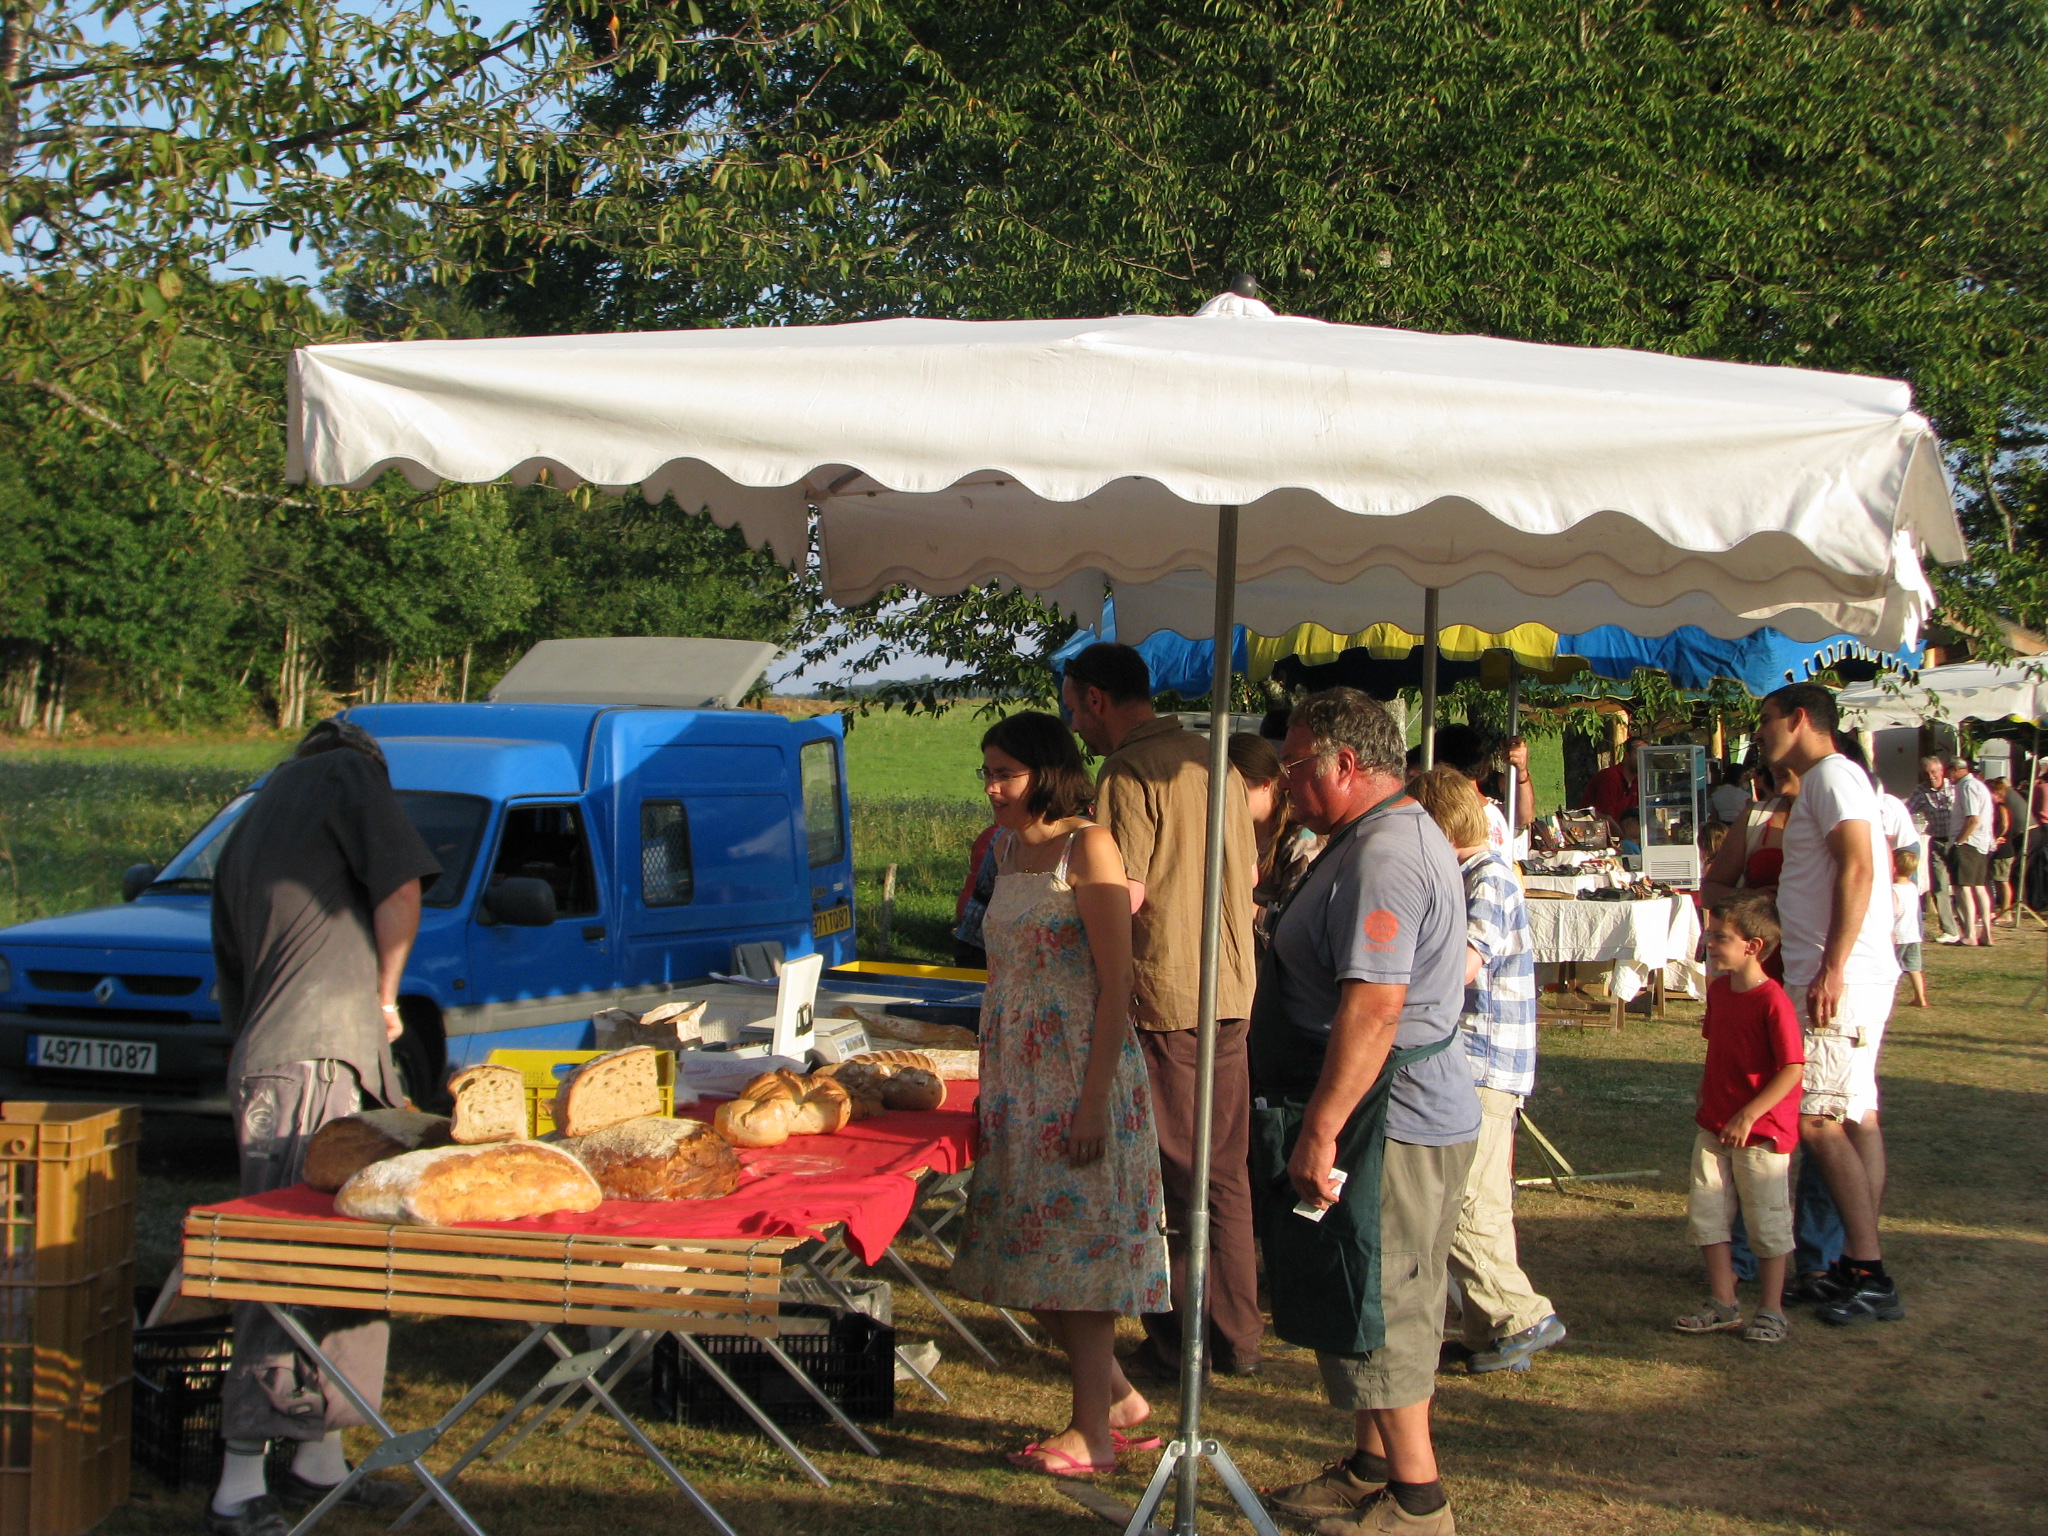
(272, 1391)
(1235, 1323)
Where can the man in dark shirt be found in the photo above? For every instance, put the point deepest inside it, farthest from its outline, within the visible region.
(316, 900)
(1612, 791)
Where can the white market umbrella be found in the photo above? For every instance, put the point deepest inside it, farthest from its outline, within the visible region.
(1967, 690)
(1234, 464)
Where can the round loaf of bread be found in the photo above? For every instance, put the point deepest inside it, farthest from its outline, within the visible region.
(913, 1088)
(657, 1158)
(754, 1122)
(342, 1148)
(782, 1084)
(824, 1107)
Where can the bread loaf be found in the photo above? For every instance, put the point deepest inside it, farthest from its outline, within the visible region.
(609, 1090)
(888, 1029)
(669, 1027)
(897, 1059)
(490, 1104)
(342, 1148)
(781, 1084)
(754, 1122)
(657, 1159)
(913, 1088)
(825, 1107)
(447, 1186)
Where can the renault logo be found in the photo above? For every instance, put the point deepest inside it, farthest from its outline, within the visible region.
(104, 991)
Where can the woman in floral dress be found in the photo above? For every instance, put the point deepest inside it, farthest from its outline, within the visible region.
(1064, 1214)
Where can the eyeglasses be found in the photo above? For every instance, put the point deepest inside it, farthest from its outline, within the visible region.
(1290, 766)
(999, 775)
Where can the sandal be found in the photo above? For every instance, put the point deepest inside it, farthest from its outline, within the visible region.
(1072, 1466)
(1767, 1328)
(1123, 1444)
(1712, 1317)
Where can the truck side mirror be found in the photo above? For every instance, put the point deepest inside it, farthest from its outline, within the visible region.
(521, 901)
(136, 879)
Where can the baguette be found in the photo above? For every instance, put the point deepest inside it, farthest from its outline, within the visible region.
(447, 1186)
(888, 1028)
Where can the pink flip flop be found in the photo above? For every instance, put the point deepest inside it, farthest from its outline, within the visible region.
(1150, 1443)
(1074, 1466)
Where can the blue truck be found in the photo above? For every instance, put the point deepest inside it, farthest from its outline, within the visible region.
(609, 828)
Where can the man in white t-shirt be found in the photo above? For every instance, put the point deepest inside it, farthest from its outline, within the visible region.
(1835, 908)
(1973, 818)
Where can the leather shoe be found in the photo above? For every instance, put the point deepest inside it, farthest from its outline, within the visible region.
(259, 1516)
(295, 1492)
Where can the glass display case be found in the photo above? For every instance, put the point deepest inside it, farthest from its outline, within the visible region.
(1672, 784)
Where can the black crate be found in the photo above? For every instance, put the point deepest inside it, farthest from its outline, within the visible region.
(854, 1364)
(175, 1436)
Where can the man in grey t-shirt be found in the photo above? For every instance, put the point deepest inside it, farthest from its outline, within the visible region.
(1368, 960)
(316, 900)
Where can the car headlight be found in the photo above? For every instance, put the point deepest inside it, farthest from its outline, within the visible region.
(6, 975)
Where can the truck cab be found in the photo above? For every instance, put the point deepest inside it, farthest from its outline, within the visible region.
(596, 852)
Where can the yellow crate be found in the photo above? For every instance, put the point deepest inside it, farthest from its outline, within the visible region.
(67, 1273)
(544, 1071)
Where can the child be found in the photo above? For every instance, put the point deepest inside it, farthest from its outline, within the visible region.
(1631, 835)
(1748, 1118)
(1906, 934)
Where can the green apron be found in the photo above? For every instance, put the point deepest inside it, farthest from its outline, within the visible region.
(1323, 1277)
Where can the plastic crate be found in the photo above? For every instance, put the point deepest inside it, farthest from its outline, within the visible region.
(854, 1362)
(67, 1263)
(179, 1370)
(544, 1071)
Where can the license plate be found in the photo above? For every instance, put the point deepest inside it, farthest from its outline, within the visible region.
(832, 920)
(83, 1055)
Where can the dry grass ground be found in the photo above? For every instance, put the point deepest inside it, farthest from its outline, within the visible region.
(1936, 1424)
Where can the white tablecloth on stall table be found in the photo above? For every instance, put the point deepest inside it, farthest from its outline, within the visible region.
(1639, 937)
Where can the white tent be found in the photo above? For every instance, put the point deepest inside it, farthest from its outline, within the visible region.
(1233, 464)
(1967, 690)
(1525, 483)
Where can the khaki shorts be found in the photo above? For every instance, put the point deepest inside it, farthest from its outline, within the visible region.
(1841, 1062)
(1756, 1180)
(1421, 1192)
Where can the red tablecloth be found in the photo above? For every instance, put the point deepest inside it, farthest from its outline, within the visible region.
(858, 1179)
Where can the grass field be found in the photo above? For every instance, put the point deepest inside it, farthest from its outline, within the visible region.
(1938, 1424)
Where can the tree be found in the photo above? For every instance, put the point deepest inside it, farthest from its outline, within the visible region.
(1822, 184)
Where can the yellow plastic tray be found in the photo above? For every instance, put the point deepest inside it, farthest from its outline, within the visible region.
(543, 1071)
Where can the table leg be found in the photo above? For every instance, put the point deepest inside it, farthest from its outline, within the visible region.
(944, 1311)
(752, 1409)
(834, 1290)
(393, 1449)
(819, 1396)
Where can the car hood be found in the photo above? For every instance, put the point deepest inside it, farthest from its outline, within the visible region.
(153, 922)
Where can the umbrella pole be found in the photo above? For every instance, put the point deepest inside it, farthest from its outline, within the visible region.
(1429, 636)
(1184, 1454)
(1514, 730)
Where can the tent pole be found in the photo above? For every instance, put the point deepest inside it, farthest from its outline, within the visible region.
(1429, 638)
(1514, 730)
(1189, 1447)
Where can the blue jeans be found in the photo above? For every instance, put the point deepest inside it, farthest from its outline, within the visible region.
(1816, 1227)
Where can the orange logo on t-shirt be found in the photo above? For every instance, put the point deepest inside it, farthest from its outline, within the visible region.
(1381, 926)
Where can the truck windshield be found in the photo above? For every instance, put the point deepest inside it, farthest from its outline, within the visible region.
(451, 825)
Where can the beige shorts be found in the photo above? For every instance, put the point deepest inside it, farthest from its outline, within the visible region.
(1840, 1082)
(1756, 1180)
(1421, 1191)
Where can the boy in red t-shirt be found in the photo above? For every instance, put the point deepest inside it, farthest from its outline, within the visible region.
(1748, 1119)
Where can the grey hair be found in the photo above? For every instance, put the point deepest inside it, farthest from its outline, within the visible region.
(1344, 717)
(334, 732)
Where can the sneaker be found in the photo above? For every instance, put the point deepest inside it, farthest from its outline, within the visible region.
(1868, 1303)
(1384, 1516)
(253, 1517)
(1767, 1328)
(296, 1492)
(1332, 1491)
(1513, 1352)
(1950, 938)
(1712, 1317)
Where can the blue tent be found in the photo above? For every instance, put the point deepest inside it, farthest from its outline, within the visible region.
(1692, 658)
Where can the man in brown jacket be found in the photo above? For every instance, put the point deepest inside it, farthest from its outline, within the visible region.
(1153, 795)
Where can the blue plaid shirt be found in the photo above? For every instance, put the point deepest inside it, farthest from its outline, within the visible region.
(1500, 1005)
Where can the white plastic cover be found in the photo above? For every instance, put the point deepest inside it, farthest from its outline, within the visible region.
(1968, 690)
(1568, 486)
